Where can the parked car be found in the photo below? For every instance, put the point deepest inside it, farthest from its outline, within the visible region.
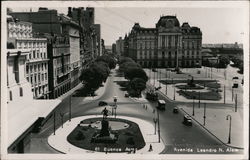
(102, 103)
(126, 95)
(175, 110)
(161, 105)
(187, 120)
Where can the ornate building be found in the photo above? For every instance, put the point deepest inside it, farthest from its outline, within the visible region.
(167, 45)
(20, 37)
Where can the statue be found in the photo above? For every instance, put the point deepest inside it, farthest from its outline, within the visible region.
(105, 113)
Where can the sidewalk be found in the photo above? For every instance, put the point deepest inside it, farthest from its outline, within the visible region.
(60, 143)
(217, 124)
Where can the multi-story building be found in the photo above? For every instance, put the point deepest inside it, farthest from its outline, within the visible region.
(114, 48)
(72, 30)
(58, 33)
(20, 37)
(25, 114)
(85, 17)
(98, 39)
(59, 65)
(120, 46)
(166, 45)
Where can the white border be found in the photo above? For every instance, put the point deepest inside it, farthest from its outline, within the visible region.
(154, 4)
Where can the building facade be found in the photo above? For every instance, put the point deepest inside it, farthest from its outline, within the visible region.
(59, 32)
(120, 46)
(166, 45)
(20, 37)
(72, 30)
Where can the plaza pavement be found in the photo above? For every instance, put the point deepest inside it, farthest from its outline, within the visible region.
(216, 122)
(60, 143)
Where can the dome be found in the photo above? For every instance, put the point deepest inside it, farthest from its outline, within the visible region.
(168, 22)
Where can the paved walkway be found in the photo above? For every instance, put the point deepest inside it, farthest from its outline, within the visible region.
(60, 143)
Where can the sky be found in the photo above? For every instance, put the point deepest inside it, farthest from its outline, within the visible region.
(218, 24)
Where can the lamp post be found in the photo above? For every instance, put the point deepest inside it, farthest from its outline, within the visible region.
(199, 99)
(69, 108)
(224, 94)
(232, 93)
(174, 92)
(193, 106)
(166, 88)
(204, 116)
(159, 78)
(115, 100)
(229, 135)
(62, 114)
(236, 103)
(54, 117)
(159, 136)
(155, 121)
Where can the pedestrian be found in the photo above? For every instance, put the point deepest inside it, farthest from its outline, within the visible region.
(150, 148)
(146, 107)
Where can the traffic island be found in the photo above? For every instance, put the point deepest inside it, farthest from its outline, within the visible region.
(110, 135)
(123, 124)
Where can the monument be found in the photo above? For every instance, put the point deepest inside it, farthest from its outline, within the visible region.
(104, 136)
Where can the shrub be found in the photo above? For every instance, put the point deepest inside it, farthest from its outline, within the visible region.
(80, 136)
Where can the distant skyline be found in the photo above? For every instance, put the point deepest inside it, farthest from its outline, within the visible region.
(218, 25)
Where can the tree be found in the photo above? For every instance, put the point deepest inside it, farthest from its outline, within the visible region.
(132, 73)
(138, 85)
(107, 59)
(128, 65)
(95, 74)
(223, 62)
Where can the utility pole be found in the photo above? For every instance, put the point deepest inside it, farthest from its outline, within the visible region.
(232, 93)
(204, 116)
(224, 94)
(166, 88)
(174, 92)
(199, 99)
(193, 106)
(69, 108)
(236, 103)
(159, 136)
(54, 116)
(159, 78)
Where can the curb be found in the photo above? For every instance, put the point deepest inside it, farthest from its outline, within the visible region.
(210, 131)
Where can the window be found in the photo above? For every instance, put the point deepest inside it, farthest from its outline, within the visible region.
(21, 91)
(27, 69)
(35, 68)
(34, 54)
(35, 78)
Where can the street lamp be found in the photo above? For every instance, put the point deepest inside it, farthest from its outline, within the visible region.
(159, 136)
(115, 100)
(193, 105)
(236, 103)
(174, 92)
(69, 108)
(54, 120)
(62, 114)
(229, 136)
(204, 116)
(155, 121)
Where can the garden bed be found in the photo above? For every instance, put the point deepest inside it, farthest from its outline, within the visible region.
(203, 95)
(128, 138)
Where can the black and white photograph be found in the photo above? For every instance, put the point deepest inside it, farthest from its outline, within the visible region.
(124, 80)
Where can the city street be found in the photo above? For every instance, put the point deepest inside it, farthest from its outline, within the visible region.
(174, 134)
